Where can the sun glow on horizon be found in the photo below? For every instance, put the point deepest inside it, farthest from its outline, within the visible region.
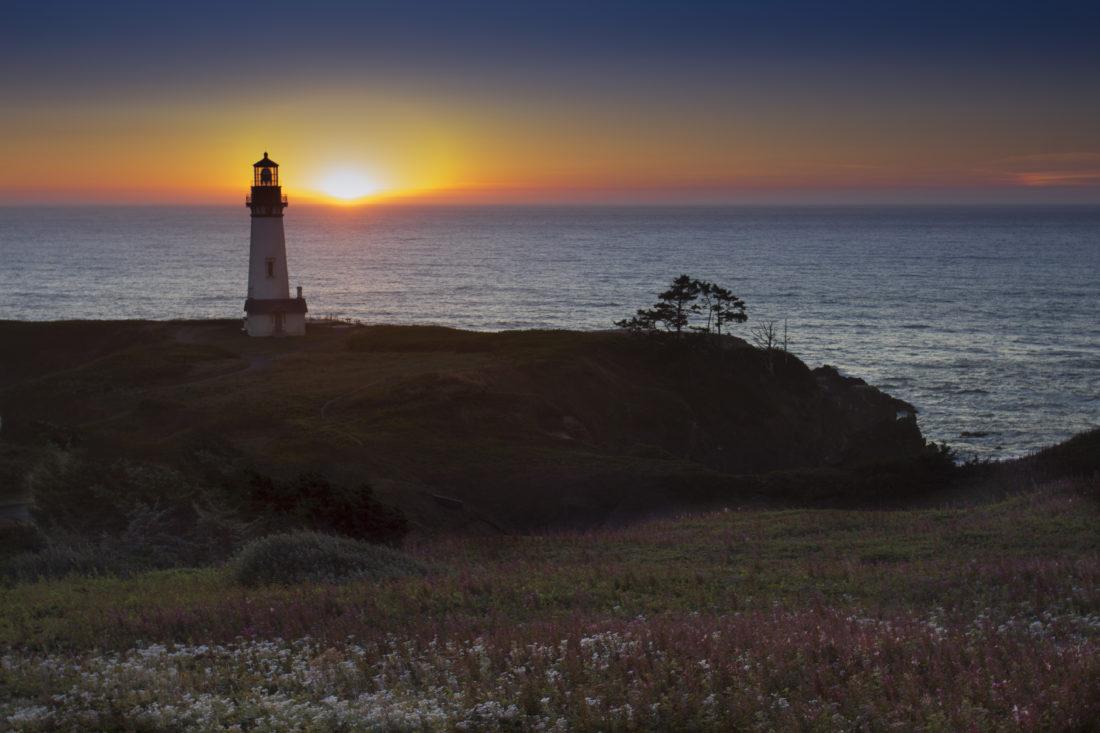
(348, 185)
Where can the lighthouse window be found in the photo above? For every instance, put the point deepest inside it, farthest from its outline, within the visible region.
(271, 267)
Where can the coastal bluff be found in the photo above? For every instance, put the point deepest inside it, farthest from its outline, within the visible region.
(460, 429)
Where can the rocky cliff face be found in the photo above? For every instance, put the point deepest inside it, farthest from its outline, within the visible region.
(516, 429)
(868, 425)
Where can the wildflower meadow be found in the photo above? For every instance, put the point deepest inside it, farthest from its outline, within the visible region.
(984, 617)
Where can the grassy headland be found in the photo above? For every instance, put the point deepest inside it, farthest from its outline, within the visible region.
(459, 429)
(815, 585)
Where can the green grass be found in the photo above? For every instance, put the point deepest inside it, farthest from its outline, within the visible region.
(985, 617)
(1038, 550)
(977, 611)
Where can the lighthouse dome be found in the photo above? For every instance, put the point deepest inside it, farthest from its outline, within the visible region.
(265, 173)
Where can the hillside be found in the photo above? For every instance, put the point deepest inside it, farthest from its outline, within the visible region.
(831, 574)
(978, 618)
(460, 429)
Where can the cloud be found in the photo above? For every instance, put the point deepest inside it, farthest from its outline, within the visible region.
(1045, 170)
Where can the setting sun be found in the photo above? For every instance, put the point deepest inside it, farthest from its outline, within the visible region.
(348, 184)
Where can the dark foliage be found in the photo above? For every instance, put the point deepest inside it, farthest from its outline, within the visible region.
(688, 305)
(76, 495)
(295, 557)
(311, 501)
(58, 559)
(94, 517)
(1078, 456)
(119, 518)
(16, 537)
(720, 307)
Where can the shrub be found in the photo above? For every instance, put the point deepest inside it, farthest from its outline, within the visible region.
(158, 537)
(1078, 456)
(60, 559)
(16, 537)
(123, 517)
(79, 494)
(150, 541)
(309, 556)
(311, 501)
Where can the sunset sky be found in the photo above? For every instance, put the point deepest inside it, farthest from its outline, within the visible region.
(602, 102)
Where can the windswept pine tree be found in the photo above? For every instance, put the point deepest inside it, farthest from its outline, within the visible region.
(688, 305)
(721, 307)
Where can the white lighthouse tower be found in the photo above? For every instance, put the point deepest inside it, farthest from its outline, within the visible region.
(270, 309)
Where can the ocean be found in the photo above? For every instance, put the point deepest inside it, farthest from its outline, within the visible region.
(985, 318)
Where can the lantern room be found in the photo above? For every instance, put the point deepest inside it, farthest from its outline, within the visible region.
(265, 172)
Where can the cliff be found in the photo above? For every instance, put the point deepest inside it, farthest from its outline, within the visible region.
(459, 428)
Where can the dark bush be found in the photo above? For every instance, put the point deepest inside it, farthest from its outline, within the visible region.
(1078, 456)
(124, 517)
(159, 538)
(16, 462)
(310, 556)
(100, 518)
(311, 501)
(150, 541)
(80, 495)
(61, 558)
(17, 537)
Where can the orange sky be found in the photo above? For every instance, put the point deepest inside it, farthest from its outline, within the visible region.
(479, 109)
(156, 150)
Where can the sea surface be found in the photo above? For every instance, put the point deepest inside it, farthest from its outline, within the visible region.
(987, 319)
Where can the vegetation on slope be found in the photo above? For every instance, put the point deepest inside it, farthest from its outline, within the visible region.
(296, 557)
(97, 518)
(981, 611)
(984, 617)
(460, 430)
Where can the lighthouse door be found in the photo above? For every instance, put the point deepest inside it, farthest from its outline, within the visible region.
(279, 318)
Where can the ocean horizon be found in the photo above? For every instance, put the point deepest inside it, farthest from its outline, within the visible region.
(986, 318)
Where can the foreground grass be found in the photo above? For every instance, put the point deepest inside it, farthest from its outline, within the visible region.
(985, 617)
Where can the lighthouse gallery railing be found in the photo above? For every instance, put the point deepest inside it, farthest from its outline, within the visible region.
(248, 200)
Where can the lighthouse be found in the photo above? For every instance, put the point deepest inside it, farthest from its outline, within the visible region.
(269, 309)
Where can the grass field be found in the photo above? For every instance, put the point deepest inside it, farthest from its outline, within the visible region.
(807, 562)
(981, 617)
